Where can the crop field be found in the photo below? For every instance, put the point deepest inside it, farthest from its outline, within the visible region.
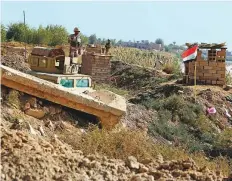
(143, 58)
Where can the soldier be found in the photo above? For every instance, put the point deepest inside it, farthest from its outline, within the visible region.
(75, 44)
(108, 46)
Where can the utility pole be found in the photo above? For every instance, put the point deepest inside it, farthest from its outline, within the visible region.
(25, 35)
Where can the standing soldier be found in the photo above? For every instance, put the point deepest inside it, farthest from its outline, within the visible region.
(108, 46)
(75, 44)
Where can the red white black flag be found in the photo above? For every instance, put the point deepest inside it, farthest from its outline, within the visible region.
(190, 53)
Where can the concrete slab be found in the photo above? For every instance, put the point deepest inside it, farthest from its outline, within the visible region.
(106, 105)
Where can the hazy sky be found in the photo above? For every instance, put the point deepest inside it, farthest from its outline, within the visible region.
(182, 22)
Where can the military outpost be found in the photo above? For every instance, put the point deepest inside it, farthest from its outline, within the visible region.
(210, 70)
(68, 80)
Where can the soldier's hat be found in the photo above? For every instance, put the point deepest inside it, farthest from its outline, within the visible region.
(76, 29)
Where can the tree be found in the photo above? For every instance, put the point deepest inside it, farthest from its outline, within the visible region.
(3, 33)
(41, 36)
(159, 41)
(57, 35)
(119, 42)
(17, 32)
(99, 41)
(84, 39)
(174, 43)
(113, 42)
(92, 39)
(166, 48)
(103, 42)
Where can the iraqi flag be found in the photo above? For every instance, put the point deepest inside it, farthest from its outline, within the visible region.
(190, 53)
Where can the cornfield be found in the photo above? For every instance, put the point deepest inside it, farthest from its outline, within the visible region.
(144, 58)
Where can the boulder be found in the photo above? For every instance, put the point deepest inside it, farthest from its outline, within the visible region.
(36, 113)
(132, 162)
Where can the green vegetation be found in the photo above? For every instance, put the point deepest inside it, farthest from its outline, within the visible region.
(3, 33)
(50, 35)
(184, 123)
(173, 67)
(92, 39)
(13, 98)
(170, 63)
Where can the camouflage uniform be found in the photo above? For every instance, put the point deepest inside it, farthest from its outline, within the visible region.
(108, 46)
(75, 44)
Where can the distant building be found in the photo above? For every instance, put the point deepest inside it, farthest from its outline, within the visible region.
(228, 53)
(154, 46)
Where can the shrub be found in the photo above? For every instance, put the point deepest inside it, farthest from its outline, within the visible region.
(168, 68)
(224, 139)
(13, 98)
(121, 143)
(173, 67)
(3, 33)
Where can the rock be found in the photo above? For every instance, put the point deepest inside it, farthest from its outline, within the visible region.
(32, 131)
(160, 158)
(46, 110)
(96, 164)
(146, 161)
(27, 106)
(208, 178)
(36, 113)
(136, 178)
(91, 157)
(164, 165)
(27, 178)
(41, 130)
(228, 87)
(86, 162)
(193, 174)
(230, 176)
(54, 109)
(17, 124)
(143, 168)
(156, 174)
(132, 162)
(33, 102)
(149, 178)
(176, 173)
(187, 165)
(121, 169)
(50, 125)
(40, 103)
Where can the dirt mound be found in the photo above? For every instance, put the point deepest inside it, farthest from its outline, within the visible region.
(27, 157)
(158, 92)
(16, 62)
(138, 117)
(135, 77)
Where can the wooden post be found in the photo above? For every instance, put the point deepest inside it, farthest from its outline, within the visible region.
(25, 55)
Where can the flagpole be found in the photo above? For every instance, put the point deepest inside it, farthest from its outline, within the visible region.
(195, 81)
